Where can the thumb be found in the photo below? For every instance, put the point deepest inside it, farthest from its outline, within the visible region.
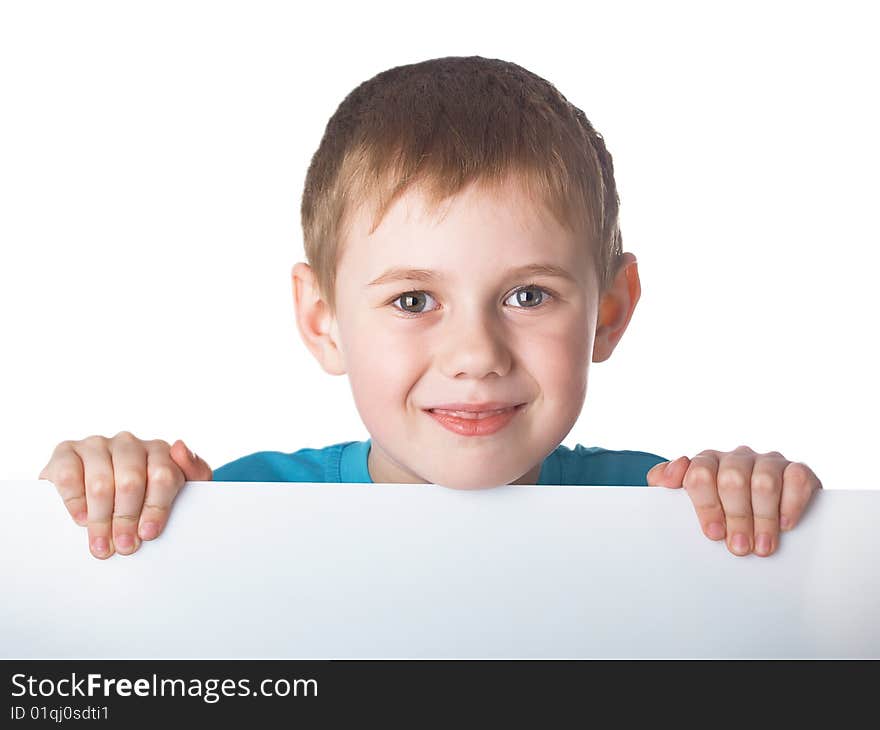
(668, 473)
(194, 468)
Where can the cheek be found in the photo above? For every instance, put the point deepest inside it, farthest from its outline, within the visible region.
(559, 360)
(382, 366)
(561, 347)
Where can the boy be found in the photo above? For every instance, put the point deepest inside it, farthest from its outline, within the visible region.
(460, 219)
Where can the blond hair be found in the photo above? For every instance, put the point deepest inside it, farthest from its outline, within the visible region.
(443, 124)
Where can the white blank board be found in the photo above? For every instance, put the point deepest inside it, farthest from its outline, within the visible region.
(335, 571)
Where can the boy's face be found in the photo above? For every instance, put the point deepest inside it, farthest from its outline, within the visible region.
(477, 332)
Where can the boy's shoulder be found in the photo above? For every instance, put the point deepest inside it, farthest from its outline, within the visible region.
(594, 465)
(342, 462)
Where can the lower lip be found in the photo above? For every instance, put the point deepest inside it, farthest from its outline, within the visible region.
(476, 426)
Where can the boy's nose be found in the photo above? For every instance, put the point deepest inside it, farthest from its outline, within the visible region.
(473, 346)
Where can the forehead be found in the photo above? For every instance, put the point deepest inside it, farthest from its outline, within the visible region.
(480, 227)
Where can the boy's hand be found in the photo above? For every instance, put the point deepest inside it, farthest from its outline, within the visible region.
(753, 493)
(121, 487)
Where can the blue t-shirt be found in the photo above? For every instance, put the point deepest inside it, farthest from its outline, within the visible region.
(347, 462)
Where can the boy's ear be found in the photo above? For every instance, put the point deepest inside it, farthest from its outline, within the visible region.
(317, 326)
(616, 308)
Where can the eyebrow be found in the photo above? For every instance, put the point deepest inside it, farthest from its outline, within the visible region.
(425, 275)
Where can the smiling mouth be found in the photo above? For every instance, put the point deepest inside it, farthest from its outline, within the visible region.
(471, 415)
(475, 423)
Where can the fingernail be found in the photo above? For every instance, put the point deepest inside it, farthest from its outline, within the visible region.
(124, 543)
(716, 530)
(740, 543)
(99, 545)
(784, 522)
(81, 519)
(149, 530)
(763, 544)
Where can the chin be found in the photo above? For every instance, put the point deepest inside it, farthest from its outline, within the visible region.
(468, 484)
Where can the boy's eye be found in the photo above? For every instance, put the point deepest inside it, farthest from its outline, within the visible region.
(412, 301)
(526, 297)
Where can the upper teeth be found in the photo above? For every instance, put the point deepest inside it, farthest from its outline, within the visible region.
(469, 414)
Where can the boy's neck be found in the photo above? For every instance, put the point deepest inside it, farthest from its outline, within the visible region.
(386, 471)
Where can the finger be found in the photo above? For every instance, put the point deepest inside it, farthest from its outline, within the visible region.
(734, 480)
(699, 481)
(164, 481)
(65, 471)
(799, 484)
(98, 477)
(668, 473)
(766, 493)
(130, 477)
(194, 468)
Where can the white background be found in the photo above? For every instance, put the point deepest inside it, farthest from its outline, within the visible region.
(152, 158)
